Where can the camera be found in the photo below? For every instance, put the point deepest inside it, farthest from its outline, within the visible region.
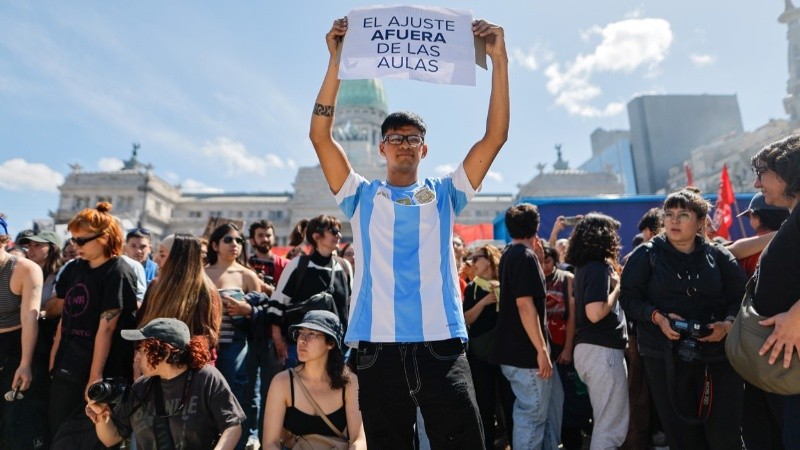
(690, 331)
(109, 390)
(571, 221)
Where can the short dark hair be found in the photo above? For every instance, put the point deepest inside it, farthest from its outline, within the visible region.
(400, 119)
(318, 225)
(522, 221)
(688, 198)
(549, 252)
(652, 220)
(783, 158)
(263, 223)
(137, 233)
(771, 219)
(595, 238)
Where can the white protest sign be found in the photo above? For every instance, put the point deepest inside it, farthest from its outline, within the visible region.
(409, 42)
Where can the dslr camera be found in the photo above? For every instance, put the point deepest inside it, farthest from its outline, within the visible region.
(109, 390)
(690, 331)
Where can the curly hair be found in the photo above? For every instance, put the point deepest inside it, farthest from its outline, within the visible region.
(195, 355)
(688, 198)
(595, 238)
(99, 220)
(783, 158)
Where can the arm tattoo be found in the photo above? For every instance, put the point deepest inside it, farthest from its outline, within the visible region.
(110, 314)
(323, 110)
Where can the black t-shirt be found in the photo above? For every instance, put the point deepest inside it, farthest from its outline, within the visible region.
(778, 270)
(87, 293)
(592, 285)
(487, 318)
(520, 276)
(195, 422)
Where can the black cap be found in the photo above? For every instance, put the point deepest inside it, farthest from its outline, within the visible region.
(169, 331)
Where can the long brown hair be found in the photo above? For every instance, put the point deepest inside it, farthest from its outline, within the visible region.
(183, 291)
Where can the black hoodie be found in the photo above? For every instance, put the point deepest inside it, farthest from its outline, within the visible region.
(705, 285)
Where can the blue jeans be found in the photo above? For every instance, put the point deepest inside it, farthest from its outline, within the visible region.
(262, 365)
(394, 379)
(232, 364)
(537, 410)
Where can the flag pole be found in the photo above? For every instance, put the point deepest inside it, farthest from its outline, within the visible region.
(741, 222)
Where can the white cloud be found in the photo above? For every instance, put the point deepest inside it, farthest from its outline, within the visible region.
(109, 164)
(238, 160)
(198, 187)
(701, 60)
(496, 176)
(532, 58)
(625, 46)
(17, 174)
(444, 169)
(171, 176)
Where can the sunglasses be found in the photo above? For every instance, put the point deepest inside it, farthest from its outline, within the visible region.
(230, 239)
(81, 241)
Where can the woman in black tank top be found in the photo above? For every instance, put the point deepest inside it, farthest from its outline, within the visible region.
(20, 295)
(323, 373)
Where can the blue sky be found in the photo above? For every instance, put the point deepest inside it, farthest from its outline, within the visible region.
(219, 94)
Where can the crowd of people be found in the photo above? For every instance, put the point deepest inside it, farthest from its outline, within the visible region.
(408, 336)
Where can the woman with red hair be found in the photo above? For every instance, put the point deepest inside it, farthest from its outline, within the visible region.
(200, 411)
(98, 291)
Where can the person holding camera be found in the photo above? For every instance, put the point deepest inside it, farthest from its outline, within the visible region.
(684, 291)
(180, 402)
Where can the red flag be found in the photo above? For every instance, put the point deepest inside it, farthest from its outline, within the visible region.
(723, 214)
(689, 177)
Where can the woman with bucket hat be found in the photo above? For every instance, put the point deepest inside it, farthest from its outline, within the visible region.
(319, 398)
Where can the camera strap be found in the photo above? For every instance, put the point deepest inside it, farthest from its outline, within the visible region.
(706, 397)
(161, 421)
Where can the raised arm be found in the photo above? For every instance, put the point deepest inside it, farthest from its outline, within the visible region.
(481, 155)
(331, 156)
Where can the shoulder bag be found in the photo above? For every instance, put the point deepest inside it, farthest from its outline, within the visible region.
(742, 345)
(320, 301)
(314, 441)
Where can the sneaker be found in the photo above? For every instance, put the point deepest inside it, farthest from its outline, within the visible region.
(252, 443)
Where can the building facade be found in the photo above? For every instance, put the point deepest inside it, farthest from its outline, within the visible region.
(142, 198)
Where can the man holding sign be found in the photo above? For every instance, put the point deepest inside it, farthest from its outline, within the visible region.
(405, 312)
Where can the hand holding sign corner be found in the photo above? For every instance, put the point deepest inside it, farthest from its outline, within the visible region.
(335, 37)
(489, 40)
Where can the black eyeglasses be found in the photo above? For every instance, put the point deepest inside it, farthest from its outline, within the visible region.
(759, 170)
(414, 140)
(230, 239)
(81, 241)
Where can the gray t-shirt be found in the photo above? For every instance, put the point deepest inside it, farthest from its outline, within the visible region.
(209, 409)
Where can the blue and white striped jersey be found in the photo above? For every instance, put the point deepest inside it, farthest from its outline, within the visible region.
(405, 287)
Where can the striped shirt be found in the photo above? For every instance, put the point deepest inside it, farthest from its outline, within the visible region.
(405, 287)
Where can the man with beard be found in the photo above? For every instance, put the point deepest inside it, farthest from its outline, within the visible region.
(262, 360)
(266, 264)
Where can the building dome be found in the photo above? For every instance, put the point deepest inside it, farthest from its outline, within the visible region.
(369, 93)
